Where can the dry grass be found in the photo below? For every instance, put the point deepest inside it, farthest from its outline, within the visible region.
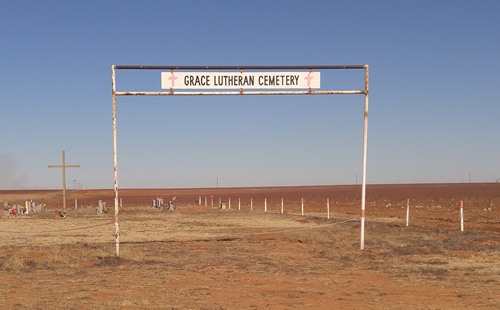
(206, 258)
(21, 259)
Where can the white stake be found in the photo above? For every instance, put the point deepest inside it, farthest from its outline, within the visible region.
(265, 204)
(251, 204)
(302, 206)
(239, 204)
(328, 208)
(461, 215)
(229, 203)
(407, 212)
(281, 205)
(76, 203)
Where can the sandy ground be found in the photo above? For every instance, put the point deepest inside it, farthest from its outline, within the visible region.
(204, 257)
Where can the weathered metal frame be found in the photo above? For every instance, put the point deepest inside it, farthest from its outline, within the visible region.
(241, 92)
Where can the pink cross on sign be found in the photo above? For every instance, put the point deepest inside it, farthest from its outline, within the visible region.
(172, 78)
(309, 78)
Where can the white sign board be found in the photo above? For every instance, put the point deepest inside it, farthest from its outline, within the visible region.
(237, 80)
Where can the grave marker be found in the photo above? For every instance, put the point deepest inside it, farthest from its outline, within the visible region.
(64, 166)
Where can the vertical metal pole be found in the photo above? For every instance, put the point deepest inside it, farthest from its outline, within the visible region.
(407, 212)
(461, 215)
(115, 162)
(365, 144)
(64, 180)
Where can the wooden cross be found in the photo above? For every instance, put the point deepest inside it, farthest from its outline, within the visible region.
(64, 166)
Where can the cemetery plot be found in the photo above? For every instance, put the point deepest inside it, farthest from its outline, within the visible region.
(29, 207)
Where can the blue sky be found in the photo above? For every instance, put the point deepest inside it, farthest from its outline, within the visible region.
(434, 79)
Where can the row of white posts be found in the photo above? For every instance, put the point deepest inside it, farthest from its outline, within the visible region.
(265, 204)
(327, 208)
(461, 214)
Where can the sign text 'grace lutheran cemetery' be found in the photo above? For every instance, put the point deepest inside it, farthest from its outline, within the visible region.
(246, 80)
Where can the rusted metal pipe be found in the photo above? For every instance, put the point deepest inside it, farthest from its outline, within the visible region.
(210, 93)
(316, 67)
(365, 145)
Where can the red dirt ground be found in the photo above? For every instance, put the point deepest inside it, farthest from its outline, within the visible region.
(203, 257)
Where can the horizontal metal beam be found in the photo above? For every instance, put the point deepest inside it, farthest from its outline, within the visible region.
(242, 93)
(316, 67)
